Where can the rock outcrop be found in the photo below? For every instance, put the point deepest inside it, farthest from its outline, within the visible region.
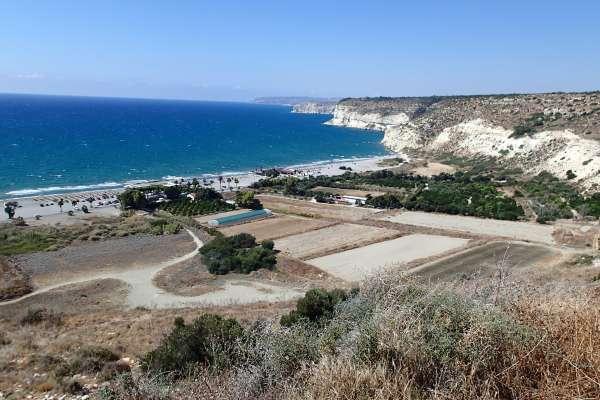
(556, 132)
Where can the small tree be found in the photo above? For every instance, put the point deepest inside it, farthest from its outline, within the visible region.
(61, 203)
(237, 182)
(247, 200)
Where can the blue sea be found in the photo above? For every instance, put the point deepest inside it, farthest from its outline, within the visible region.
(54, 144)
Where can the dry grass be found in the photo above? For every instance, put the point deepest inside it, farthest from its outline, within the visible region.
(401, 339)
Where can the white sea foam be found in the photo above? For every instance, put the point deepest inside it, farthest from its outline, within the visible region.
(30, 192)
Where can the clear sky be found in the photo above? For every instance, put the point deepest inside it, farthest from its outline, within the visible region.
(236, 50)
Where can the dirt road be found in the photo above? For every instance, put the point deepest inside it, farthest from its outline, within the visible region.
(143, 293)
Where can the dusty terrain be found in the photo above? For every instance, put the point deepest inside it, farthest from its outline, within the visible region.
(356, 264)
(277, 226)
(332, 239)
(515, 230)
(485, 260)
(82, 259)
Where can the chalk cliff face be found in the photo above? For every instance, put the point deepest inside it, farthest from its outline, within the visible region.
(314, 107)
(562, 131)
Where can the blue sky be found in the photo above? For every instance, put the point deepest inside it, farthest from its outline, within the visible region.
(236, 50)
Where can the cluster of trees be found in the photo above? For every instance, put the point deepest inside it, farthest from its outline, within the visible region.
(238, 253)
(133, 199)
(476, 199)
(205, 201)
(552, 198)
(247, 200)
(187, 207)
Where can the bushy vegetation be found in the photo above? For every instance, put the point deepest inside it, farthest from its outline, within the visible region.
(89, 360)
(395, 339)
(208, 341)
(37, 316)
(552, 198)
(238, 253)
(530, 126)
(19, 240)
(247, 200)
(316, 306)
(188, 207)
(460, 193)
(206, 200)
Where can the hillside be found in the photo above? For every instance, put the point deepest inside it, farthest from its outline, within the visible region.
(556, 132)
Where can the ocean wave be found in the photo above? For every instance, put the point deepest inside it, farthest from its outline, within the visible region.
(30, 192)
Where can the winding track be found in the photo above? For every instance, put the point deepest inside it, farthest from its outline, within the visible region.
(143, 292)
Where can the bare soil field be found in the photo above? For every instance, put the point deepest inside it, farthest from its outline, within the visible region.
(332, 239)
(485, 260)
(511, 229)
(433, 168)
(306, 208)
(354, 265)
(74, 299)
(47, 268)
(276, 227)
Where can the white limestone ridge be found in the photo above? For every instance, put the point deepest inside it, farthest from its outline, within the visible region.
(555, 151)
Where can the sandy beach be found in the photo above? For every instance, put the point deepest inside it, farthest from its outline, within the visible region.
(46, 208)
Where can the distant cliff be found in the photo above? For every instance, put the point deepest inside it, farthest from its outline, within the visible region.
(555, 132)
(315, 107)
(293, 100)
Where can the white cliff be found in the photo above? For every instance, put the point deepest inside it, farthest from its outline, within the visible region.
(555, 151)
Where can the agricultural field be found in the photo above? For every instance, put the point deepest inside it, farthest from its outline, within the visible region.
(486, 260)
(276, 227)
(332, 239)
(527, 231)
(354, 265)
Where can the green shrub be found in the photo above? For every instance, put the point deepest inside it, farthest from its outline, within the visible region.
(316, 306)
(247, 200)
(238, 253)
(87, 360)
(209, 341)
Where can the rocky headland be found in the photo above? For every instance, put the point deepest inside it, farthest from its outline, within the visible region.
(555, 132)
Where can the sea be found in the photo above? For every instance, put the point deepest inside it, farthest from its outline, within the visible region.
(57, 144)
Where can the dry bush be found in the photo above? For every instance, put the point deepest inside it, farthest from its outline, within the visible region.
(37, 316)
(404, 339)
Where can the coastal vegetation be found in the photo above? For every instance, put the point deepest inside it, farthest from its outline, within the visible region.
(459, 193)
(396, 338)
(188, 207)
(177, 200)
(239, 253)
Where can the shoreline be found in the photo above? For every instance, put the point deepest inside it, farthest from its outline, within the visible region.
(30, 206)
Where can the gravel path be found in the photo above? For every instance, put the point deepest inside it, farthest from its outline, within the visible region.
(143, 292)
